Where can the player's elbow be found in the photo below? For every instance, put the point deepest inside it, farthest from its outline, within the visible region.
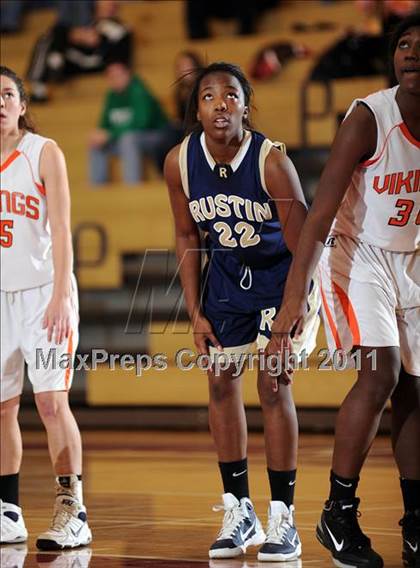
(319, 223)
(60, 232)
(187, 236)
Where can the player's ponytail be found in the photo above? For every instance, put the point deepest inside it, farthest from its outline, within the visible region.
(25, 121)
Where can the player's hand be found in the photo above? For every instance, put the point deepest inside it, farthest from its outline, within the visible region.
(98, 138)
(291, 316)
(290, 319)
(279, 348)
(57, 319)
(275, 378)
(202, 332)
(85, 35)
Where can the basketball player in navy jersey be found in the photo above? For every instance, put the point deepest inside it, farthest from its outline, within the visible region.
(243, 193)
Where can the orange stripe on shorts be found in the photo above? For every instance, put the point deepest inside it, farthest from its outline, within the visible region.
(348, 312)
(330, 319)
(70, 351)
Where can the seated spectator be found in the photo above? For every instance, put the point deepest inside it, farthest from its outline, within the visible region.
(12, 12)
(66, 49)
(186, 64)
(132, 125)
(198, 13)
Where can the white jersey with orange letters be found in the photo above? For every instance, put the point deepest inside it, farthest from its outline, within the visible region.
(27, 280)
(381, 206)
(25, 238)
(370, 267)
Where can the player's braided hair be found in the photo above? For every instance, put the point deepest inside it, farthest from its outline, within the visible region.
(25, 121)
(191, 122)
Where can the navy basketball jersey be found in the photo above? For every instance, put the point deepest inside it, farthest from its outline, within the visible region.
(231, 205)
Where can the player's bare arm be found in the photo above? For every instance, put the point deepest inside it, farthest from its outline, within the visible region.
(188, 244)
(53, 173)
(354, 142)
(284, 187)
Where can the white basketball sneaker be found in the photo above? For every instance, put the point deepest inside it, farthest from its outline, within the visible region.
(241, 528)
(69, 527)
(282, 542)
(12, 525)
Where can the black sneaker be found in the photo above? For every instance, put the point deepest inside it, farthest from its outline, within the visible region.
(410, 524)
(339, 531)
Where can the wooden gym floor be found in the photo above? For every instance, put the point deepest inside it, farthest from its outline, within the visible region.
(150, 497)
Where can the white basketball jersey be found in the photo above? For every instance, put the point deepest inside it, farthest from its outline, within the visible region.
(381, 205)
(25, 238)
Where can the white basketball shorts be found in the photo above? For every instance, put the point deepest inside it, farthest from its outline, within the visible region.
(371, 298)
(24, 340)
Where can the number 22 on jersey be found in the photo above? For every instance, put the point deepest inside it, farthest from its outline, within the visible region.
(248, 238)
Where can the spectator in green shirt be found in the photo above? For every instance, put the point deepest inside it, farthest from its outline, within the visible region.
(132, 125)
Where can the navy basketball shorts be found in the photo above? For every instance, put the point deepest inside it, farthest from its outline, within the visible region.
(242, 309)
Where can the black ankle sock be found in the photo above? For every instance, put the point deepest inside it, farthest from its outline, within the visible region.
(410, 489)
(9, 488)
(282, 485)
(235, 477)
(342, 487)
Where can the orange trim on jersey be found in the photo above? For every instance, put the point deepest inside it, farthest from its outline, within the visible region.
(9, 160)
(368, 163)
(348, 312)
(408, 135)
(38, 186)
(70, 351)
(330, 319)
(41, 189)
